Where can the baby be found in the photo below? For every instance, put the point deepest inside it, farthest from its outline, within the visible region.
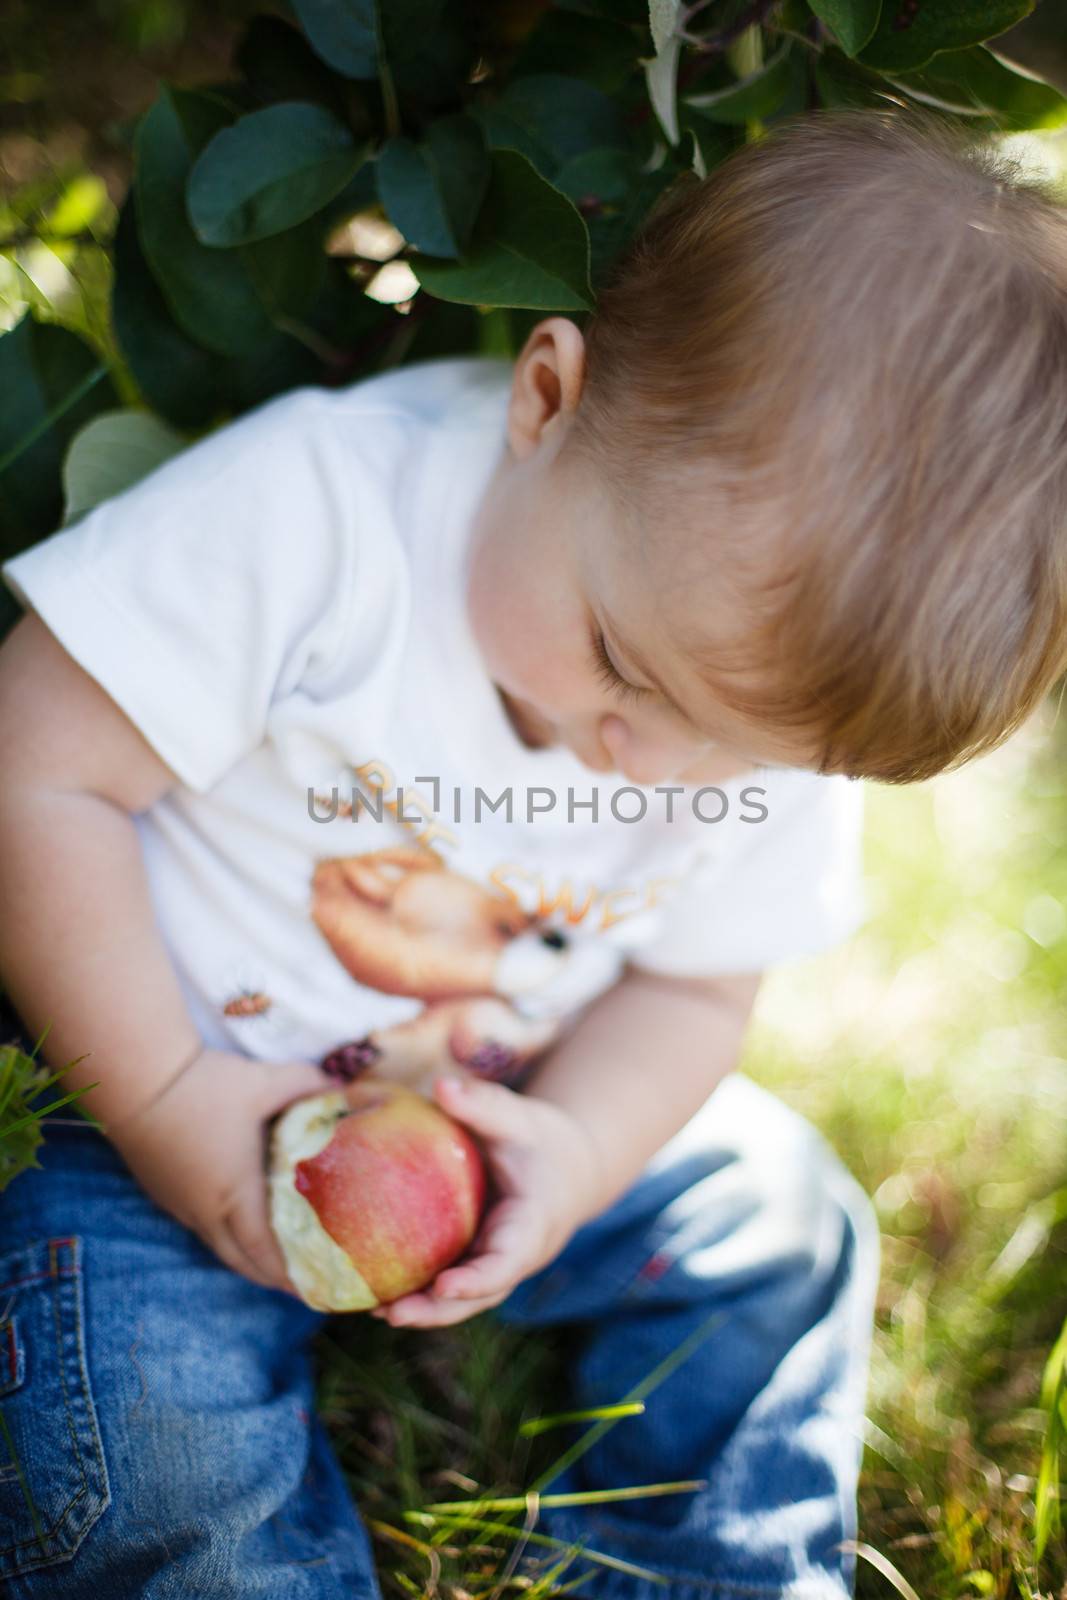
(298, 734)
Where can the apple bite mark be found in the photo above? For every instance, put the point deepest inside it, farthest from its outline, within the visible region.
(326, 1278)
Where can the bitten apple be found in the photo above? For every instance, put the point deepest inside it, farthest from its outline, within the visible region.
(374, 1190)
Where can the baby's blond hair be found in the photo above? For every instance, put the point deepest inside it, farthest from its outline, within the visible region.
(844, 355)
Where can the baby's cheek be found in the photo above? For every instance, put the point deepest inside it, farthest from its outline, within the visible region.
(615, 733)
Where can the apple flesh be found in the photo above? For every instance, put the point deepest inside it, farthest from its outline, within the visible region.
(374, 1190)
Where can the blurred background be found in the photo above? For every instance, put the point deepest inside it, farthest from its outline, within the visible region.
(931, 1049)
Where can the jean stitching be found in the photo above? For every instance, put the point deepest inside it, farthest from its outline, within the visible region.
(13, 1353)
(61, 1358)
(38, 1541)
(38, 1277)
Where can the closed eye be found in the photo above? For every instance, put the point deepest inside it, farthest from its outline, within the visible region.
(604, 668)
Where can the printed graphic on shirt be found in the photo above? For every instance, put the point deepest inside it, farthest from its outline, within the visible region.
(246, 999)
(376, 797)
(248, 1003)
(496, 983)
(499, 957)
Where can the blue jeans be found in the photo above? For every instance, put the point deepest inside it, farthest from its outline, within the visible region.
(160, 1408)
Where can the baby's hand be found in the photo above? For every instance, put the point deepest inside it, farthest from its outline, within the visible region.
(200, 1152)
(543, 1162)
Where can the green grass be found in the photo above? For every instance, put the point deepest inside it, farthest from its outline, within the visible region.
(24, 1100)
(931, 1051)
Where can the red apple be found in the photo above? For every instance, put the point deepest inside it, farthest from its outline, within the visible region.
(374, 1190)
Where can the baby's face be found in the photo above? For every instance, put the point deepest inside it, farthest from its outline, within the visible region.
(551, 573)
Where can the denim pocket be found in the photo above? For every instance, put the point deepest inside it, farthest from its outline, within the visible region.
(53, 1477)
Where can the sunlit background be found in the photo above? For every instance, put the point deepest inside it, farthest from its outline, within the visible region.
(932, 1049)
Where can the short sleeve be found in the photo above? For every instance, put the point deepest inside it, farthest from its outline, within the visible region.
(794, 887)
(207, 590)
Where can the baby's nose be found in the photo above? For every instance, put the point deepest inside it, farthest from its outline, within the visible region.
(641, 759)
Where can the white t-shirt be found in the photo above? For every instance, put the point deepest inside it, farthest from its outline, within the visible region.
(280, 610)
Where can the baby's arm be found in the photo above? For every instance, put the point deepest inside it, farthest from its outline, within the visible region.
(78, 945)
(80, 948)
(641, 1063)
(592, 1113)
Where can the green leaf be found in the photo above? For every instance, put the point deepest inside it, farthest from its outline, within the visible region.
(948, 25)
(270, 171)
(18, 1150)
(843, 82)
(530, 247)
(612, 230)
(83, 201)
(343, 32)
(359, 193)
(277, 62)
(432, 191)
(797, 97)
(602, 52)
(505, 133)
(714, 139)
(661, 81)
(754, 97)
(113, 451)
(288, 270)
(23, 1079)
(981, 1581)
(208, 291)
(1047, 1515)
(32, 1117)
(853, 21)
(976, 81)
(663, 18)
(323, 346)
(52, 383)
(201, 112)
(561, 116)
(193, 387)
(604, 176)
(354, 36)
(431, 59)
(179, 378)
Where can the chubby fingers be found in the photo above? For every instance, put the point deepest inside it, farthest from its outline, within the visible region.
(474, 1285)
(258, 1253)
(233, 1254)
(456, 1293)
(488, 1108)
(490, 1273)
(432, 1311)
